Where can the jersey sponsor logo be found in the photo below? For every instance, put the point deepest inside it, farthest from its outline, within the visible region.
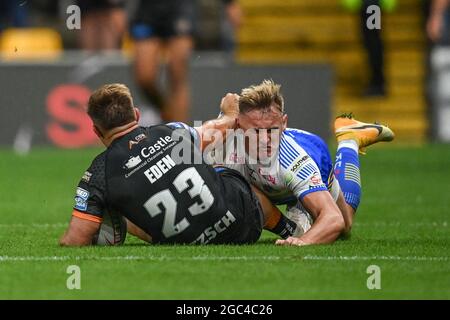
(132, 162)
(161, 167)
(140, 137)
(136, 140)
(149, 153)
(299, 163)
(131, 143)
(220, 226)
(86, 177)
(315, 182)
(315, 179)
(162, 142)
(321, 187)
(81, 199)
(83, 194)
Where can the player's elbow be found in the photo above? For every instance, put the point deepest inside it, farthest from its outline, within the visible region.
(63, 241)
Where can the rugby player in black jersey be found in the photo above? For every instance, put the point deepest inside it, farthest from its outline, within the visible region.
(140, 176)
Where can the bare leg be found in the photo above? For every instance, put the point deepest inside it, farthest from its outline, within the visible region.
(347, 212)
(88, 33)
(102, 30)
(146, 67)
(111, 24)
(179, 50)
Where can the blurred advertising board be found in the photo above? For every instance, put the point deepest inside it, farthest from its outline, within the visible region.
(43, 103)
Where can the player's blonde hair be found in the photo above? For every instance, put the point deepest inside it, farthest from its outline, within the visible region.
(111, 106)
(261, 96)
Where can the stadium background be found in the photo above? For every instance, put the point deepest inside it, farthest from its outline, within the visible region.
(314, 49)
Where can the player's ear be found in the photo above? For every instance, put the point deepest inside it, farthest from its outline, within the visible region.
(285, 120)
(137, 113)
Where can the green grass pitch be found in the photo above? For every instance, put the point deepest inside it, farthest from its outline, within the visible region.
(402, 226)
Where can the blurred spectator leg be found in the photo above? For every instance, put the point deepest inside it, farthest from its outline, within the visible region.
(147, 58)
(88, 32)
(112, 25)
(375, 53)
(179, 51)
(102, 28)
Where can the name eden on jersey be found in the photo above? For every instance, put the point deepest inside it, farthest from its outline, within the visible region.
(157, 170)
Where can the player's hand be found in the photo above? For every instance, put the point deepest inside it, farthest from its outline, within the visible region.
(291, 241)
(229, 105)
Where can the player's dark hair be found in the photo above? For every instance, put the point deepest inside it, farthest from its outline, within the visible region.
(111, 106)
(261, 96)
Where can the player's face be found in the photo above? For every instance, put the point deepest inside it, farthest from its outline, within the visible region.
(263, 129)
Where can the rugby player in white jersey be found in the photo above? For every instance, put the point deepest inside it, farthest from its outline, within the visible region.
(294, 167)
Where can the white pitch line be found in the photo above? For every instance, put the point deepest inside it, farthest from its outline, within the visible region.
(443, 224)
(34, 225)
(145, 258)
(219, 258)
(389, 258)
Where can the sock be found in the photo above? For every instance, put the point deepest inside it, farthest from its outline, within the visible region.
(346, 171)
(281, 225)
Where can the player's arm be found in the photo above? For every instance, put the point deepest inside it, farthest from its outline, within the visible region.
(306, 182)
(328, 220)
(87, 214)
(80, 232)
(213, 129)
